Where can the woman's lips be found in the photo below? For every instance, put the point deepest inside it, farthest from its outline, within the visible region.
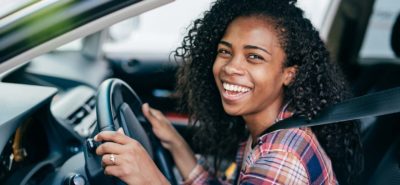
(233, 92)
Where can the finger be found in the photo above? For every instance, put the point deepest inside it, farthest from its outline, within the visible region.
(110, 160)
(117, 171)
(157, 114)
(112, 136)
(152, 112)
(146, 111)
(96, 137)
(149, 114)
(110, 148)
(120, 130)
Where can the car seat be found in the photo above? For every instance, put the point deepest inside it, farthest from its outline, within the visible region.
(381, 135)
(395, 38)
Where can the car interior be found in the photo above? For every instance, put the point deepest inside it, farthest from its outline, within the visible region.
(50, 102)
(380, 136)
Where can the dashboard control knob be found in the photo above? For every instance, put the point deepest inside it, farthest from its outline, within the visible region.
(76, 179)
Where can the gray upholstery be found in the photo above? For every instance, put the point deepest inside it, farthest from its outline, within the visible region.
(395, 38)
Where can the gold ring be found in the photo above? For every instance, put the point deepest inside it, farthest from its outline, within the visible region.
(112, 159)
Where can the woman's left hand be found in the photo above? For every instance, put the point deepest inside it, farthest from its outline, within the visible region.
(125, 158)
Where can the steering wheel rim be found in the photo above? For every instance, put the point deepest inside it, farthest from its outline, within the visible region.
(119, 106)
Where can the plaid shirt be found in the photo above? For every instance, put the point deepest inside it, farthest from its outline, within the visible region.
(287, 156)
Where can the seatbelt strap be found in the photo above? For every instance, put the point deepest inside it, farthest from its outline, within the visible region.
(374, 104)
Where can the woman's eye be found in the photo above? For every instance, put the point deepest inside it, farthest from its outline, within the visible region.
(255, 57)
(223, 52)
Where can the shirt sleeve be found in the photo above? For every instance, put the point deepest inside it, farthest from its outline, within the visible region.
(276, 167)
(200, 176)
(197, 176)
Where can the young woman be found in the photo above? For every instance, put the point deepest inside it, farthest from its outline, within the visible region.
(246, 65)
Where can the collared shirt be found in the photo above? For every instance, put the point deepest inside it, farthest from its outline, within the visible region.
(287, 156)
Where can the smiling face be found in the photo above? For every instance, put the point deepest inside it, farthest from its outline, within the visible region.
(249, 71)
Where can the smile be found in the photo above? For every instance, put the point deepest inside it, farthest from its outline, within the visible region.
(234, 92)
(235, 88)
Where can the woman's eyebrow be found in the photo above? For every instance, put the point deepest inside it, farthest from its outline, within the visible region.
(257, 47)
(245, 47)
(225, 43)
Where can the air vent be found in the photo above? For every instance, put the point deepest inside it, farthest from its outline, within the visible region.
(77, 116)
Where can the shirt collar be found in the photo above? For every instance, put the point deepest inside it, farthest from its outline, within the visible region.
(283, 114)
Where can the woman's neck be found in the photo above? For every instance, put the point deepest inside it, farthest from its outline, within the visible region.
(257, 123)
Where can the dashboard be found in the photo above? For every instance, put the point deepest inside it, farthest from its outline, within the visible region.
(23, 141)
(48, 111)
(26, 147)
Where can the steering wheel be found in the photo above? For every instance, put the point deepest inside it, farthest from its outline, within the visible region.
(118, 106)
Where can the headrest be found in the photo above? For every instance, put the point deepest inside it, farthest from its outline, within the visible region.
(395, 40)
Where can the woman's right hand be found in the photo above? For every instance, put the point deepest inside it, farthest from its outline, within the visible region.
(162, 128)
(171, 140)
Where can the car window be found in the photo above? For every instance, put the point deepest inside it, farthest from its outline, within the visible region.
(9, 6)
(11, 10)
(315, 10)
(377, 38)
(75, 45)
(151, 39)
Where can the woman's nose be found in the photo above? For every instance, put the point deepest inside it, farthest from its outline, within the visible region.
(234, 66)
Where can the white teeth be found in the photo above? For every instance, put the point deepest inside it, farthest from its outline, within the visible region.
(236, 88)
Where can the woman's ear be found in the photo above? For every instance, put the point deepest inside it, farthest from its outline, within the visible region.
(289, 75)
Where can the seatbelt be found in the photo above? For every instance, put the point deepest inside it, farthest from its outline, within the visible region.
(374, 104)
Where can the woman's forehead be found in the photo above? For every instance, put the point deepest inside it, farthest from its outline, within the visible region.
(252, 30)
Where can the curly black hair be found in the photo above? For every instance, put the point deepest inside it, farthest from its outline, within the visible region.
(318, 82)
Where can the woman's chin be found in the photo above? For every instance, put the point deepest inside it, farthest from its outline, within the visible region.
(232, 111)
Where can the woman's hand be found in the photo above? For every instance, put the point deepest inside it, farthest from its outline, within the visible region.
(171, 140)
(125, 158)
(162, 128)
